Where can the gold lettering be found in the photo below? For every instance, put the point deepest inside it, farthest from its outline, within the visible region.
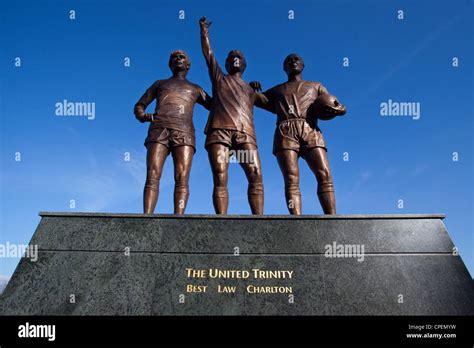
(195, 273)
(263, 274)
(196, 288)
(251, 289)
(226, 289)
(228, 274)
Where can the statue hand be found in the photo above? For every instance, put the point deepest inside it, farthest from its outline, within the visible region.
(256, 86)
(204, 23)
(141, 118)
(150, 117)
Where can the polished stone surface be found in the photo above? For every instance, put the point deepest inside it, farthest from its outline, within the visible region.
(408, 266)
(264, 234)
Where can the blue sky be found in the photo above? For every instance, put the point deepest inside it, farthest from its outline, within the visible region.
(81, 60)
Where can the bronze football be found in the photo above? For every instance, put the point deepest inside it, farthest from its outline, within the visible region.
(326, 107)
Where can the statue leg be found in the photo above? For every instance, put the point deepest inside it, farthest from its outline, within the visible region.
(220, 166)
(155, 159)
(317, 160)
(288, 162)
(182, 160)
(253, 171)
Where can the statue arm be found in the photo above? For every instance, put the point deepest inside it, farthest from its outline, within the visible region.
(143, 102)
(325, 106)
(204, 99)
(213, 66)
(262, 100)
(322, 89)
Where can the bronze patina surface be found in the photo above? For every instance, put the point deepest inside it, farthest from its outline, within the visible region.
(230, 125)
(298, 105)
(171, 130)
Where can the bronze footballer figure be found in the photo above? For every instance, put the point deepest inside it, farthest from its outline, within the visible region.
(171, 130)
(230, 125)
(298, 104)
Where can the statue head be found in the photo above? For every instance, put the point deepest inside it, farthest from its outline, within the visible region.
(179, 61)
(235, 62)
(293, 64)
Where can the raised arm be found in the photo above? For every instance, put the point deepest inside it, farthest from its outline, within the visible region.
(214, 69)
(205, 42)
(143, 102)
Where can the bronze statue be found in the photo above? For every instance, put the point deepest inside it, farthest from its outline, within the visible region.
(230, 125)
(298, 104)
(171, 130)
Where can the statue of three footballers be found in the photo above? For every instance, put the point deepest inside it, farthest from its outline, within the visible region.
(297, 103)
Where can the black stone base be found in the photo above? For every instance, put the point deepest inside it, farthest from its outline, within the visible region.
(131, 264)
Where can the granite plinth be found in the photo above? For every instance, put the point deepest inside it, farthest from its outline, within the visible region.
(132, 264)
